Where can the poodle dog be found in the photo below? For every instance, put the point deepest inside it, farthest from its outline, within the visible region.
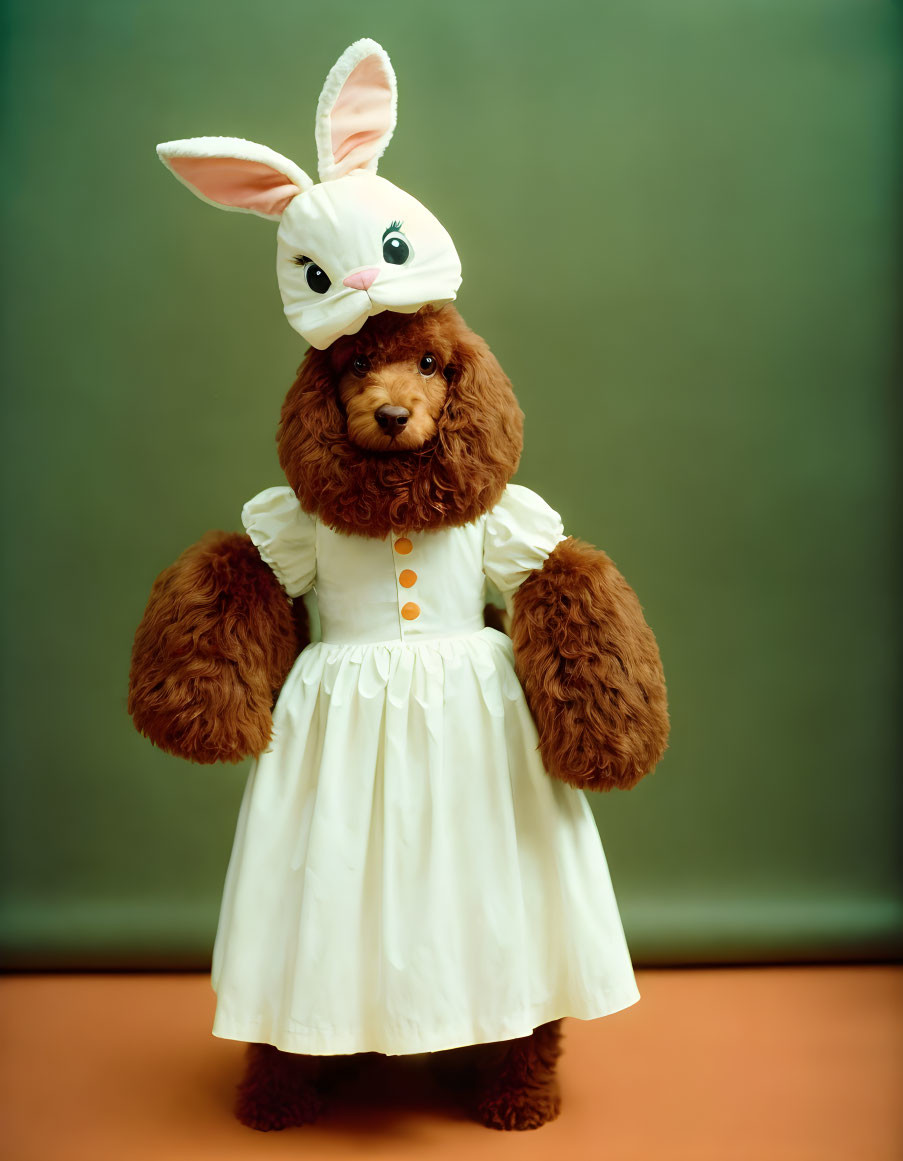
(408, 426)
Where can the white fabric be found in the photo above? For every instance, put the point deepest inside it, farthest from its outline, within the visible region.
(340, 226)
(357, 111)
(199, 149)
(406, 877)
(340, 223)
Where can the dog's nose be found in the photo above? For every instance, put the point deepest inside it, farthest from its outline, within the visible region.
(392, 419)
(362, 279)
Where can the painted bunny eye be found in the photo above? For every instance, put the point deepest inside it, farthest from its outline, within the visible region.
(317, 279)
(396, 248)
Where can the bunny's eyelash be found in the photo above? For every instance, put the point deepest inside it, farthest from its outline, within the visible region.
(391, 228)
(301, 259)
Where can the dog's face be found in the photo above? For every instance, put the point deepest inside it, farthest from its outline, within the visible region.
(409, 424)
(393, 404)
(394, 376)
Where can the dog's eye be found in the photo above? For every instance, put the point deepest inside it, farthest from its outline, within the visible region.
(396, 247)
(318, 280)
(428, 366)
(361, 366)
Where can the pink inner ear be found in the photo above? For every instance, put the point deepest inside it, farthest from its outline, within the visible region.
(232, 181)
(362, 114)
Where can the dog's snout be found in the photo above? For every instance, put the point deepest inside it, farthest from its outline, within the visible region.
(392, 419)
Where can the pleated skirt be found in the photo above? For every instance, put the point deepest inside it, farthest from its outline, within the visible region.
(405, 876)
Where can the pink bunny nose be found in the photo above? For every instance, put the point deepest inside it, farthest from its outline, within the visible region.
(361, 279)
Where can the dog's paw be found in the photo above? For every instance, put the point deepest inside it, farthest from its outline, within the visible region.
(515, 1108)
(274, 1110)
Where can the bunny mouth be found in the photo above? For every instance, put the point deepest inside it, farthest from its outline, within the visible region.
(321, 323)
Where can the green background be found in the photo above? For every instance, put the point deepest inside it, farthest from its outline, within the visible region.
(678, 227)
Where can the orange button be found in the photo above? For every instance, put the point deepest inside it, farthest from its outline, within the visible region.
(410, 611)
(403, 546)
(407, 577)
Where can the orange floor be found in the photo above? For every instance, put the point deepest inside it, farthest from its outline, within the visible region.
(774, 1064)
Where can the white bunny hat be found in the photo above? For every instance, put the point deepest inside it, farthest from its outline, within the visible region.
(352, 246)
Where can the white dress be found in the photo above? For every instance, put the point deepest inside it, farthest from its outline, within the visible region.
(406, 877)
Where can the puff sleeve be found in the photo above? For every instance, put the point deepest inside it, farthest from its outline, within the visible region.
(521, 531)
(285, 536)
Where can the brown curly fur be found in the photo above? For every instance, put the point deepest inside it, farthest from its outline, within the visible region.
(279, 1089)
(511, 1084)
(453, 478)
(215, 644)
(590, 669)
(521, 1090)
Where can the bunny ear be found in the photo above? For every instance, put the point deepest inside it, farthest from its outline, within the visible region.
(235, 174)
(356, 111)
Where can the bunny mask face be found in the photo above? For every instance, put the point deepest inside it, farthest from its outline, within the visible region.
(352, 246)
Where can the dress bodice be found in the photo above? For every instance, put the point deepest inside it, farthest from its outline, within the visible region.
(426, 585)
(412, 586)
